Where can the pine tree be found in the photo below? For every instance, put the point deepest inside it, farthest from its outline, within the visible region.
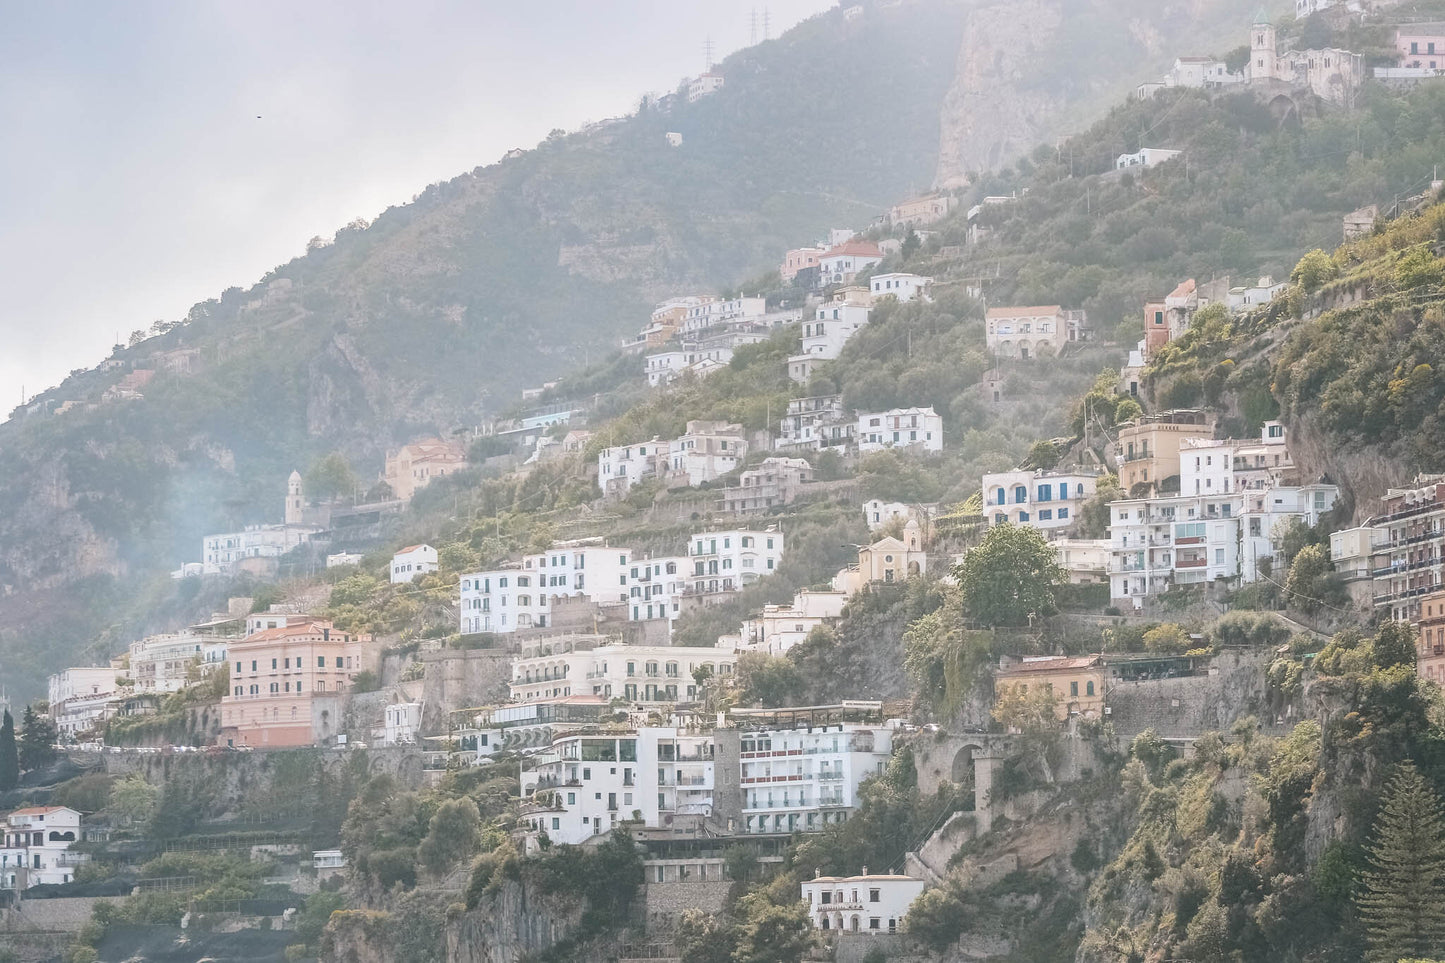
(9, 759)
(37, 740)
(1402, 900)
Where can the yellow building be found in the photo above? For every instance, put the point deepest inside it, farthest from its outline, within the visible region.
(887, 560)
(415, 465)
(1077, 683)
(1149, 448)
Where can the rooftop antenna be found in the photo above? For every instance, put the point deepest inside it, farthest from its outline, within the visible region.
(707, 55)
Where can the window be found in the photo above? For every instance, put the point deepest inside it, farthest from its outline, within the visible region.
(321, 662)
(1089, 688)
(1074, 690)
(1063, 513)
(873, 897)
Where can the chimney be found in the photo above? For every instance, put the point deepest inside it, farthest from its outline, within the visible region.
(865, 870)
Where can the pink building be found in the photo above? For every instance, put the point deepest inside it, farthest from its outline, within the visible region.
(289, 684)
(798, 259)
(1421, 45)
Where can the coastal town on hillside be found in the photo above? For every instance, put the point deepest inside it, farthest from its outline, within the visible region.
(632, 664)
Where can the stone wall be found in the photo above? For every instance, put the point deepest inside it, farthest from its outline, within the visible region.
(665, 902)
(65, 915)
(854, 948)
(457, 678)
(1182, 708)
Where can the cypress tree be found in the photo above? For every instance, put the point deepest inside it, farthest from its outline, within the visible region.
(37, 740)
(1402, 899)
(9, 759)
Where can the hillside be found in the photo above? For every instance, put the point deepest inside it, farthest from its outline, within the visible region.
(434, 316)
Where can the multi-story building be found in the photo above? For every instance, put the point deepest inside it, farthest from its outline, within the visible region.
(800, 773)
(1332, 74)
(704, 84)
(622, 466)
(816, 423)
(723, 311)
(773, 482)
(922, 210)
(780, 627)
(1352, 552)
(842, 263)
(288, 684)
(870, 904)
(168, 663)
(728, 560)
(641, 674)
(1045, 500)
(800, 259)
(900, 428)
(231, 551)
(831, 327)
(1076, 683)
(667, 366)
(401, 721)
(1161, 542)
(519, 598)
(878, 513)
(1409, 547)
(1085, 561)
(35, 847)
(416, 465)
(1247, 297)
(1421, 48)
(1430, 638)
(82, 697)
(706, 451)
(904, 287)
(1029, 332)
(1148, 448)
(412, 561)
(479, 734)
(655, 587)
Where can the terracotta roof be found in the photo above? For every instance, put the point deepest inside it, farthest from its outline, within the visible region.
(1052, 665)
(308, 627)
(1185, 289)
(857, 248)
(856, 879)
(412, 548)
(1025, 312)
(41, 810)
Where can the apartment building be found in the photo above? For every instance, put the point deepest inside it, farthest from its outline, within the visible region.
(1148, 448)
(816, 423)
(478, 734)
(288, 684)
(727, 560)
(1046, 500)
(655, 587)
(640, 674)
(706, 451)
(35, 845)
(82, 697)
(168, 663)
(904, 287)
(622, 466)
(1408, 549)
(920, 428)
(773, 482)
(878, 513)
(519, 598)
(832, 326)
(842, 263)
(778, 628)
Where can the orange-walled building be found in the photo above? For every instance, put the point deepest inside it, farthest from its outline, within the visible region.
(289, 684)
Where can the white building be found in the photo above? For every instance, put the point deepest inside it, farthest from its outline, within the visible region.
(904, 287)
(1025, 332)
(1250, 296)
(1158, 543)
(343, 558)
(640, 674)
(668, 366)
(1201, 72)
(841, 264)
(622, 466)
(772, 482)
(655, 587)
(713, 312)
(728, 560)
(589, 783)
(780, 627)
(699, 87)
(831, 327)
(222, 553)
(166, 663)
(82, 697)
(874, 904)
(1352, 552)
(519, 598)
(802, 777)
(900, 428)
(706, 451)
(1044, 500)
(412, 561)
(877, 513)
(816, 423)
(1145, 157)
(402, 722)
(1084, 560)
(36, 847)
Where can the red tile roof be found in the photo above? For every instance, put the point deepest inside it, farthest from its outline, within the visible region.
(40, 810)
(856, 248)
(411, 548)
(1053, 665)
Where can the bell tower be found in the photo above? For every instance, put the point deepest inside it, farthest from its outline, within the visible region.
(295, 499)
(1263, 56)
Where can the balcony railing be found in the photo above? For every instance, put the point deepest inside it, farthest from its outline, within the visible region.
(1191, 563)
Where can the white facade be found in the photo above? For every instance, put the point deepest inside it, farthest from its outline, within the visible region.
(343, 558)
(1145, 157)
(655, 587)
(878, 513)
(842, 263)
(221, 553)
(36, 847)
(81, 697)
(512, 599)
(874, 905)
(1201, 72)
(1352, 551)
(816, 423)
(904, 287)
(412, 561)
(900, 428)
(1158, 543)
(1044, 500)
(700, 87)
(1084, 560)
(805, 779)
(780, 627)
(1251, 296)
(832, 325)
(622, 466)
(402, 722)
(668, 366)
(708, 450)
(640, 674)
(719, 311)
(1025, 332)
(163, 663)
(726, 561)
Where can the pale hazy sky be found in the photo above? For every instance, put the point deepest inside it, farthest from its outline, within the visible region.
(136, 178)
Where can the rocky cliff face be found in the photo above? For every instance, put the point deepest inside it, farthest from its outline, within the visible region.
(513, 924)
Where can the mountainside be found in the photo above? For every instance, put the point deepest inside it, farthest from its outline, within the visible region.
(435, 315)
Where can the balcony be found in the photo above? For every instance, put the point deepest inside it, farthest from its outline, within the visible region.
(1191, 563)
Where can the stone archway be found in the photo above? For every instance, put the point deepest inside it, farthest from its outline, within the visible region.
(963, 774)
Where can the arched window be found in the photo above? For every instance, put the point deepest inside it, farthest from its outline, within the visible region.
(1089, 688)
